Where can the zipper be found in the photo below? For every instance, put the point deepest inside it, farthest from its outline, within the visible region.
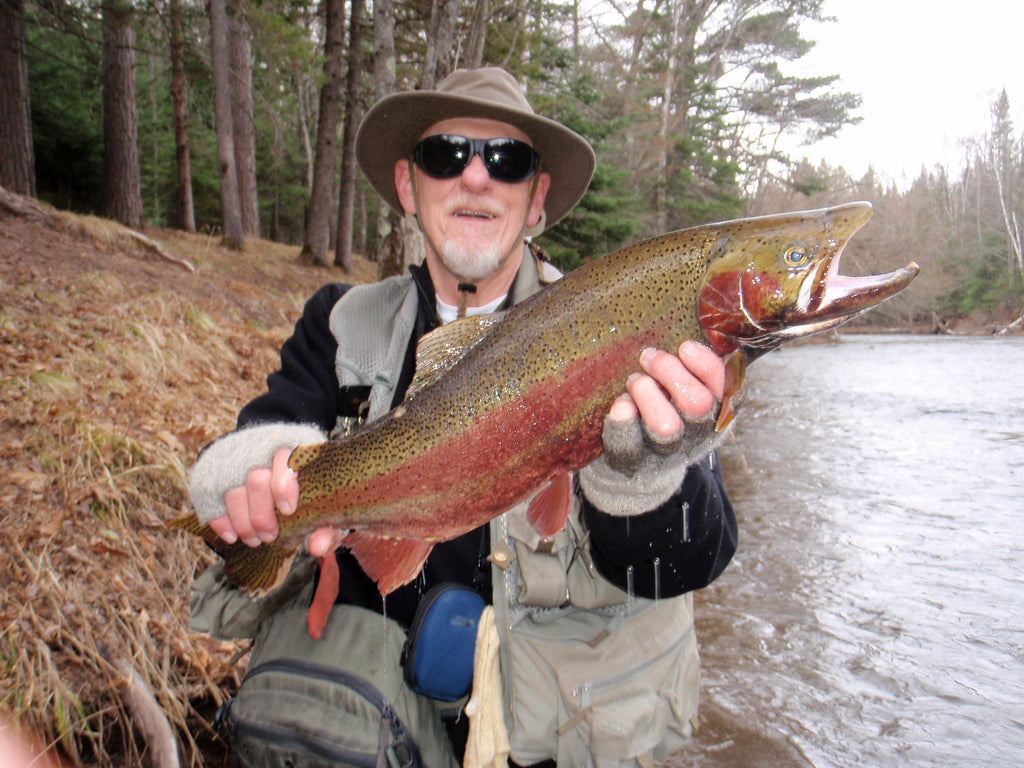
(584, 690)
(400, 753)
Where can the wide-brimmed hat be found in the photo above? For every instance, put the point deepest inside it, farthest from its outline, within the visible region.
(396, 123)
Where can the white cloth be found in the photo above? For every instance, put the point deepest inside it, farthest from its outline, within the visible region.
(488, 745)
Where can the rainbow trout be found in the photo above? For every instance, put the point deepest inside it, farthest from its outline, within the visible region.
(505, 405)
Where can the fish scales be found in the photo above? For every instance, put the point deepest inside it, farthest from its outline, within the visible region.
(551, 343)
(525, 402)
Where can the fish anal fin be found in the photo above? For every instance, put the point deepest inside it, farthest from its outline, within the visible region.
(390, 562)
(735, 378)
(549, 509)
(440, 349)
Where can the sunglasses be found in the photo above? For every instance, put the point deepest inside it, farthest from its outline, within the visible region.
(446, 156)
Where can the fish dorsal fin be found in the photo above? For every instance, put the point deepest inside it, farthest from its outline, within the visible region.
(439, 350)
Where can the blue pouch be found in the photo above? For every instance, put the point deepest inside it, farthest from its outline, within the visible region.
(438, 654)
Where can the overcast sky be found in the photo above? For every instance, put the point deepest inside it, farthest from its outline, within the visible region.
(928, 74)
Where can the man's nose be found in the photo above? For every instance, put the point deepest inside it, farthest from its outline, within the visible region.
(475, 175)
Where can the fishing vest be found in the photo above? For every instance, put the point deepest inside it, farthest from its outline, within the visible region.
(592, 676)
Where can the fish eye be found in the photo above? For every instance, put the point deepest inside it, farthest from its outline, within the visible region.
(795, 256)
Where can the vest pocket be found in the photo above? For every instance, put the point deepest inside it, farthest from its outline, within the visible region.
(608, 687)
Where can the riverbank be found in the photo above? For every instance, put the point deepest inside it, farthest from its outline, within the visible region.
(122, 355)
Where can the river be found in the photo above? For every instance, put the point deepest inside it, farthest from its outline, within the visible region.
(874, 612)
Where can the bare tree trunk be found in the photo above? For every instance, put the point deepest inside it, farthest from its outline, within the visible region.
(389, 229)
(179, 108)
(239, 35)
(305, 118)
(439, 56)
(17, 160)
(519, 14)
(446, 45)
(477, 35)
(318, 213)
(346, 196)
(428, 77)
(221, 63)
(122, 187)
(360, 244)
(668, 90)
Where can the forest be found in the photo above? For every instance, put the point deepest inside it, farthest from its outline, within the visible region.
(238, 118)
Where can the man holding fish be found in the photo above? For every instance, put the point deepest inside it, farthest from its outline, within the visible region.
(478, 173)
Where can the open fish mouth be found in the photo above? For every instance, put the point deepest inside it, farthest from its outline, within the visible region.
(844, 298)
(828, 298)
(822, 298)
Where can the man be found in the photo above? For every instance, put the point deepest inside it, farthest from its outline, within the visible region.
(478, 172)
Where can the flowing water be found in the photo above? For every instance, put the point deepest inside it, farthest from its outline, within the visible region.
(874, 612)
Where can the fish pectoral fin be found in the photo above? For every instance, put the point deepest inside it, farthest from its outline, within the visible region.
(735, 378)
(549, 509)
(389, 562)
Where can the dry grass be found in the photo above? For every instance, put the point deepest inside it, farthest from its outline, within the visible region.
(117, 365)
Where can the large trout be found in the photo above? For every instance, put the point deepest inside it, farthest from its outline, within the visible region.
(504, 405)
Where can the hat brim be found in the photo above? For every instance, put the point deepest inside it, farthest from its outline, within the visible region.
(395, 123)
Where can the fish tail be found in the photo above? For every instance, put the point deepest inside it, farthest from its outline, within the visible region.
(257, 569)
(191, 524)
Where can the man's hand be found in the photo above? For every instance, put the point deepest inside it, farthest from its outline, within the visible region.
(645, 440)
(672, 387)
(253, 507)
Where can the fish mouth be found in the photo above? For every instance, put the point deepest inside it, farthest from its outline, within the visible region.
(777, 279)
(829, 299)
(843, 298)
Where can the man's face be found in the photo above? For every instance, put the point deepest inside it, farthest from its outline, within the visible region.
(474, 221)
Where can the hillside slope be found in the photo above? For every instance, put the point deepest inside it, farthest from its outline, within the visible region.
(119, 360)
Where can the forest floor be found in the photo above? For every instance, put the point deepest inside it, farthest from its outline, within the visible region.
(120, 358)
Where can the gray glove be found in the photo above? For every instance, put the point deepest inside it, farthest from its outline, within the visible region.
(226, 462)
(639, 471)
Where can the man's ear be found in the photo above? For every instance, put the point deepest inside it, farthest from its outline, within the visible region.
(403, 185)
(539, 195)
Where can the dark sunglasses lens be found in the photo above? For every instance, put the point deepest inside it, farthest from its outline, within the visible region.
(443, 157)
(510, 160)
